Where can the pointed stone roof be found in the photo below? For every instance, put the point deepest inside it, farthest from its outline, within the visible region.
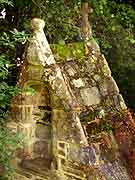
(68, 132)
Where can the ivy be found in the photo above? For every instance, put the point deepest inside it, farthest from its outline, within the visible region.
(9, 141)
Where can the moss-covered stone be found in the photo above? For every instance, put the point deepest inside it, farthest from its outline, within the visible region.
(64, 52)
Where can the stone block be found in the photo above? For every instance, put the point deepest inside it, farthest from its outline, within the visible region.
(74, 152)
(119, 102)
(78, 83)
(22, 113)
(35, 72)
(108, 86)
(15, 114)
(97, 78)
(28, 130)
(90, 96)
(105, 68)
(43, 131)
(122, 102)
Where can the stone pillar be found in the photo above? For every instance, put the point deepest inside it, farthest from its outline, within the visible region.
(86, 28)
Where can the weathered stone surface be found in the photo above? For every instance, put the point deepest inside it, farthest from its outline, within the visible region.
(90, 96)
(114, 170)
(91, 67)
(78, 83)
(66, 125)
(122, 102)
(39, 51)
(70, 70)
(35, 72)
(43, 131)
(41, 148)
(109, 87)
(93, 44)
(97, 77)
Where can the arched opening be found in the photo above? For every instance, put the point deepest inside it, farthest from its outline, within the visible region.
(41, 154)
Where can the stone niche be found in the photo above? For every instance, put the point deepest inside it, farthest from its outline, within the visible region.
(41, 115)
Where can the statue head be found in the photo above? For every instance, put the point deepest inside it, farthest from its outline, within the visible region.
(37, 24)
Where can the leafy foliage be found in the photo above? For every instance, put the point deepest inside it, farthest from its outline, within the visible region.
(9, 143)
(6, 2)
(113, 27)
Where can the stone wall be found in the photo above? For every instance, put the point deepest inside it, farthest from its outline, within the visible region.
(68, 124)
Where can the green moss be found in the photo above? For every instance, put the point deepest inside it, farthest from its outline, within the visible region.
(64, 52)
